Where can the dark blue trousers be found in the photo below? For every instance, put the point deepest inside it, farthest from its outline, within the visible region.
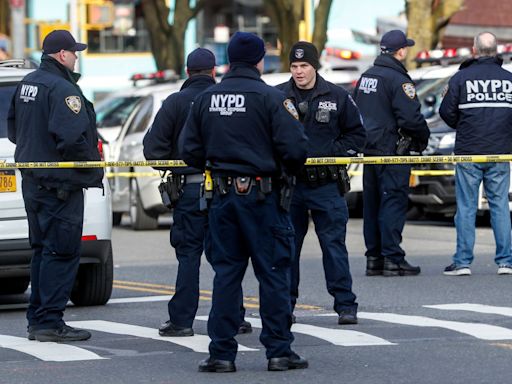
(241, 227)
(330, 215)
(385, 202)
(189, 235)
(55, 230)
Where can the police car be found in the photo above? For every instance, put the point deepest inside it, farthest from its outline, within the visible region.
(93, 285)
(135, 189)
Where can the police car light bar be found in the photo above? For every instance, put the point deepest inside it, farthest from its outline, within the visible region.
(456, 55)
(345, 54)
(167, 75)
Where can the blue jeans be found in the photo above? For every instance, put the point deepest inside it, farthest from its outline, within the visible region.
(496, 179)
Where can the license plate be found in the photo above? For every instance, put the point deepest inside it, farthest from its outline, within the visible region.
(7, 181)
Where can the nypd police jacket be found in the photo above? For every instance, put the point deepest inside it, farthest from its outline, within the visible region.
(244, 128)
(51, 120)
(478, 103)
(161, 141)
(332, 121)
(386, 97)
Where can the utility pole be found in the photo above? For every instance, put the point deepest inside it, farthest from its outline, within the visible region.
(18, 28)
(74, 27)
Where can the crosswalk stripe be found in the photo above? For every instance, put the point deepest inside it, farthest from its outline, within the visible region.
(47, 351)
(480, 331)
(480, 308)
(197, 343)
(346, 338)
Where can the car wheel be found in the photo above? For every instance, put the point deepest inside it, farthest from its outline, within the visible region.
(116, 218)
(140, 219)
(93, 284)
(14, 285)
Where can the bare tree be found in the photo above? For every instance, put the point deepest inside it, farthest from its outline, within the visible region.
(168, 40)
(427, 21)
(287, 15)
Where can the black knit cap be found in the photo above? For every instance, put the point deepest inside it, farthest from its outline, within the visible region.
(245, 47)
(305, 51)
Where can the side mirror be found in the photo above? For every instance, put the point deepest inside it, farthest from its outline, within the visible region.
(430, 100)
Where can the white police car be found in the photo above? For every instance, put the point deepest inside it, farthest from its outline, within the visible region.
(93, 285)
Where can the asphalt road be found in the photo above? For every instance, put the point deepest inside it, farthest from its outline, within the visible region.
(425, 329)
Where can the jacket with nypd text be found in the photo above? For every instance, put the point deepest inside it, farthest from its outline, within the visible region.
(478, 103)
(51, 120)
(332, 121)
(244, 128)
(161, 141)
(386, 97)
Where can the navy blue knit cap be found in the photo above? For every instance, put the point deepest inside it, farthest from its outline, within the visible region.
(60, 39)
(245, 47)
(199, 59)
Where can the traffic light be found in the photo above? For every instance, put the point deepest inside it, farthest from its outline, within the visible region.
(99, 14)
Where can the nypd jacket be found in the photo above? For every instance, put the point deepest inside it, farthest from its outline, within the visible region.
(161, 141)
(387, 99)
(332, 121)
(478, 103)
(243, 127)
(51, 120)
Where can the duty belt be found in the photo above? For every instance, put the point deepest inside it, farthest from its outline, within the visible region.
(194, 178)
(242, 184)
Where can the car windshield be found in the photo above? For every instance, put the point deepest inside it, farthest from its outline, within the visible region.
(113, 112)
(430, 95)
(6, 92)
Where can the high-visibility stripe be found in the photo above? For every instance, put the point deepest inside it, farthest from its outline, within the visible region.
(485, 105)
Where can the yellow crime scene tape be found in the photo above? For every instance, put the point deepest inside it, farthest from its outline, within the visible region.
(310, 161)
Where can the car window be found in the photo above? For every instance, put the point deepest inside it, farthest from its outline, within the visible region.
(142, 116)
(6, 92)
(114, 112)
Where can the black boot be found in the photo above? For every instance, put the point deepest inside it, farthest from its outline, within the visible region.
(374, 265)
(402, 268)
(293, 361)
(214, 365)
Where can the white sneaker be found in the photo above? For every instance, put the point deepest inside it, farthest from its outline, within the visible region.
(505, 269)
(453, 270)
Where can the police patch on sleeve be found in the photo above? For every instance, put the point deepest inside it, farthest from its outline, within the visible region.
(74, 103)
(291, 108)
(409, 90)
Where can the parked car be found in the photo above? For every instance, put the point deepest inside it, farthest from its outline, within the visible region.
(93, 285)
(138, 195)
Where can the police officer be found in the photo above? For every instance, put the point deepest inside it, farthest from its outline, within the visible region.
(51, 120)
(190, 223)
(478, 104)
(247, 133)
(334, 127)
(387, 99)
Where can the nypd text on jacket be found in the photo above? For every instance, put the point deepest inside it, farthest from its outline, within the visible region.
(478, 103)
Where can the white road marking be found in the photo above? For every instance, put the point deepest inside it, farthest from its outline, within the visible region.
(346, 338)
(197, 343)
(480, 331)
(47, 351)
(480, 308)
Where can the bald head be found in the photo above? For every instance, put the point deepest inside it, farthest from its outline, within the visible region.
(485, 44)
